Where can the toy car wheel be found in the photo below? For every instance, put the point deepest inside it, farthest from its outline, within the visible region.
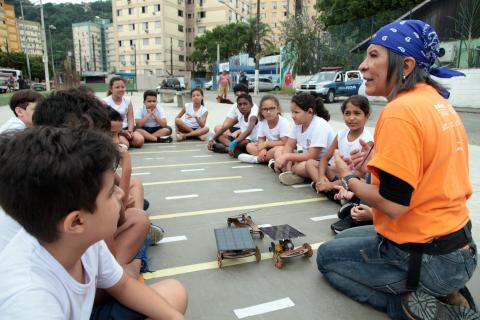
(278, 261)
(219, 259)
(272, 247)
(260, 233)
(330, 96)
(258, 256)
(309, 252)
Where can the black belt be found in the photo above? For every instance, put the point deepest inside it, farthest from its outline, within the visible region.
(440, 246)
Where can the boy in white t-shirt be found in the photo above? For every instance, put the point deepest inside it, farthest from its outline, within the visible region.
(54, 263)
(151, 120)
(23, 105)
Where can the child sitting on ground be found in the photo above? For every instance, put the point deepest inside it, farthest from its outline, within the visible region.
(356, 111)
(57, 259)
(22, 103)
(246, 117)
(151, 120)
(193, 125)
(312, 135)
(273, 131)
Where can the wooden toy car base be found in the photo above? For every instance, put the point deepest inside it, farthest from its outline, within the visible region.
(284, 248)
(242, 221)
(233, 243)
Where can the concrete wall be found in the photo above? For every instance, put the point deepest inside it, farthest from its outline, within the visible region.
(464, 91)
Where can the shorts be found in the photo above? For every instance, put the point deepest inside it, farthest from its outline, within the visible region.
(233, 129)
(222, 91)
(113, 310)
(152, 130)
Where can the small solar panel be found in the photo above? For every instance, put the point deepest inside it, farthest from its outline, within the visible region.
(282, 232)
(229, 239)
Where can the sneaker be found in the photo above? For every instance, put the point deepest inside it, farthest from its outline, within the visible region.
(219, 148)
(164, 139)
(156, 234)
(248, 158)
(271, 164)
(419, 305)
(289, 178)
(462, 298)
(347, 223)
(345, 210)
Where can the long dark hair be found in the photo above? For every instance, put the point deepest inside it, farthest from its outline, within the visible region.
(199, 90)
(395, 72)
(306, 101)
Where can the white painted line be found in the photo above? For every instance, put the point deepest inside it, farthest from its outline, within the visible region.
(190, 170)
(167, 146)
(332, 216)
(158, 158)
(239, 167)
(266, 225)
(247, 190)
(202, 156)
(186, 196)
(264, 308)
(172, 239)
(305, 185)
(140, 173)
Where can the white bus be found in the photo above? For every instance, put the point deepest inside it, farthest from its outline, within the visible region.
(16, 75)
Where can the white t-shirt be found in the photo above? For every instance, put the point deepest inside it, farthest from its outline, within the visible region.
(232, 113)
(13, 124)
(122, 108)
(345, 146)
(243, 124)
(190, 114)
(36, 286)
(318, 134)
(8, 228)
(282, 129)
(142, 112)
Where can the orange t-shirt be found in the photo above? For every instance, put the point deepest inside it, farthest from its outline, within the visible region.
(420, 139)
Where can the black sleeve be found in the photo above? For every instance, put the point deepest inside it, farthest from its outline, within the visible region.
(394, 189)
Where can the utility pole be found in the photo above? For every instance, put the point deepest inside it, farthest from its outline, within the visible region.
(26, 43)
(257, 47)
(80, 56)
(50, 28)
(171, 56)
(93, 53)
(45, 49)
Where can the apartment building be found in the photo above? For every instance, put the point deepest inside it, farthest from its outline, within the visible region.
(111, 45)
(90, 45)
(9, 39)
(30, 33)
(274, 12)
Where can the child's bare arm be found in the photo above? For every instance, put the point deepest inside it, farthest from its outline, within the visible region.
(181, 113)
(276, 143)
(162, 122)
(124, 182)
(143, 299)
(203, 120)
(252, 122)
(131, 122)
(322, 167)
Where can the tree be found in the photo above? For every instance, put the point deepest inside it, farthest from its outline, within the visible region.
(233, 38)
(467, 24)
(17, 60)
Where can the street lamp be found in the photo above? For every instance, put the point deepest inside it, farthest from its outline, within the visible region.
(45, 52)
(50, 28)
(257, 47)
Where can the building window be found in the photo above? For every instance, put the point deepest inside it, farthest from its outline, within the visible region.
(119, 13)
(158, 24)
(144, 9)
(189, 30)
(146, 41)
(131, 27)
(130, 10)
(189, 1)
(180, 13)
(189, 16)
(202, 14)
(181, 43)
(201, 29)
(146, 56)
(131, 42)
(189, 44)
(158, 40)
(145, 26)
(120, 43)
(158, 56)
(181, 58)
(180, 28)
(158, 7)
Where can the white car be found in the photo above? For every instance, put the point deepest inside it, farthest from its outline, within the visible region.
(208, 85)
(264, 84)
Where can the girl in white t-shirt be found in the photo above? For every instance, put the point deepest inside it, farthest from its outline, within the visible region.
(273, 131)
(193, 124)
(311, 134)
(356, 111)
(117, 99)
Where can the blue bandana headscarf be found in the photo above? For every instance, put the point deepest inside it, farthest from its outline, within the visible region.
(417, 39)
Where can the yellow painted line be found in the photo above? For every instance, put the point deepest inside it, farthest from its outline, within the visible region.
(185, 164)
(165, 151)
(190, 180)
(239, 208)
(168, 272)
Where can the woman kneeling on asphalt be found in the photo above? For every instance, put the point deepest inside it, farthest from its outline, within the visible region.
(415, 262)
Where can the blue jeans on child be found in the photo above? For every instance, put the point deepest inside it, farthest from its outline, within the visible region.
(369, 269)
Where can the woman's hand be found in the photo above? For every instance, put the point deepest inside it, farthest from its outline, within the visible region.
(340, 167)
(361, 213)
(343, 194)
(360, 158)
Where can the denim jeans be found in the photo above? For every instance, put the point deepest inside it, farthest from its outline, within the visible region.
(369, 269)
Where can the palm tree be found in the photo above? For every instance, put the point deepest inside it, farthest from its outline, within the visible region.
(264, 32)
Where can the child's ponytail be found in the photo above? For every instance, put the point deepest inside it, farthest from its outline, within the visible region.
(320, 109)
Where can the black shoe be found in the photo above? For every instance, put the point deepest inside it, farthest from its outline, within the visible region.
(419, 305)
(330, 194)
(347, 223)
(271, 164)
(345, 210)
(146, 204)
(219, 148)
(164, 139)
